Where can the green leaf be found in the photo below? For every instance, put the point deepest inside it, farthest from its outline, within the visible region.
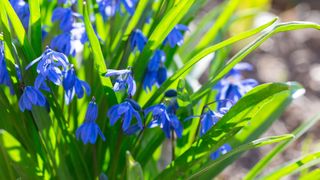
(294, 166)
(258, 168)
(282, 27)
(35, 32)
(311, 175)
(246, 147)
(246, 110)
(182, 71)
(95, 47)
(219, 23)
(18, 29)
(134, 170)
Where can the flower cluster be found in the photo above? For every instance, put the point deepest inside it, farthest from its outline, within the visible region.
(73, 33)
(22, 10)
(55, 67)
(109, 8)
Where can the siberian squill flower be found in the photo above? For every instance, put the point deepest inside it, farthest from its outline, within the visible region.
(67, 1)
(233, 86)
(156, 72)
(66, 17)
(164, 117)
(70, 42)
(73, 85)
(30, 97)
(126, 111)
(224, 149)
(4, 74)
(175, 37)
(137, 39)
(109, 8)
(51, 65)
(89, 130)
(123, 80)
(22, 10)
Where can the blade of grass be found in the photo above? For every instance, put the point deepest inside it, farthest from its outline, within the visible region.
(35, 33)
(246, 147)
(259, 167)
(294, 166)
(19, 30)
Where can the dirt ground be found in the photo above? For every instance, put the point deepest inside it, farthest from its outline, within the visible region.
(291, 56)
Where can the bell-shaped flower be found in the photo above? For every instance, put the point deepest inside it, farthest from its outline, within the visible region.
(165, 119)
(224, 149)
(73, 85)
(51, 65)
(137, 39)
(233, 86)
(109, 8)
(126, 111)
(123, 80)
(88, 132)
(156, 72)
(30, 97)
(66, 17)
(175, 37)
(4, 74)
(22, 10)
(70, 42)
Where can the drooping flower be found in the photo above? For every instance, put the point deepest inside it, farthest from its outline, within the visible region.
(175, 37)
(22, 10)
(137, 39)
(73, 85)
(109, 8)
(123, 80)
(66, 17)
(4, 74)
(224, 149)
(30, 97)
(70, 42)
(233, 86)
(89, 130)
(156, 72)
(164, 117)
(126, 110)
(50, 66)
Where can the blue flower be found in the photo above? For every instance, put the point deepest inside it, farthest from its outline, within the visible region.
(70, 42)
(156, 72)
(67, 1)
(175, 37)
(51, 65)
(164, 117)
(126, 110)
(137, 39)
(73, 85)
(89, 130)
(109, 8)
(124, 79)
(233, 86)
(224, 149)
(22, 10)
(66, 17)
(31, 96)
(4, 74)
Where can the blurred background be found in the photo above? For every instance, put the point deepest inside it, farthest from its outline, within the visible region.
(290, 56)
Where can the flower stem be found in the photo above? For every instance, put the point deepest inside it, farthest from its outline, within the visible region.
(172, 146)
